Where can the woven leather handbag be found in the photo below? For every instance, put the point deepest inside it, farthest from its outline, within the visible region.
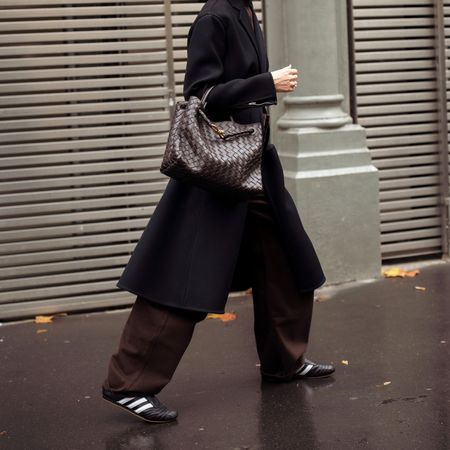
(223, 156)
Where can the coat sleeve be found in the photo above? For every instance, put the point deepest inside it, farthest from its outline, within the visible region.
(206, 53)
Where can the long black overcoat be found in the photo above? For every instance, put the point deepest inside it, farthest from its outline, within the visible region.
(189, 254)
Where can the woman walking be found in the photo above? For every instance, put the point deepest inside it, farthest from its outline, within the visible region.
(198, 247)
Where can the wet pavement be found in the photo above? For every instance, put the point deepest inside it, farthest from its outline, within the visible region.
(393, 394)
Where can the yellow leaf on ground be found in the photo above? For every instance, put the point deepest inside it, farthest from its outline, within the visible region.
(48, 319)
(344, 361)
(43, 319)
(226, 317)
(322, 297)
(412, 273)
(41, 330)
(398, 272)
(420, 288)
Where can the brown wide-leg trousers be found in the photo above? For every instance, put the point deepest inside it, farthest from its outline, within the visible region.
(156, 336)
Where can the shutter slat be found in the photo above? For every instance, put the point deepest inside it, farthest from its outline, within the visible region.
(66, 254)
(82, 119)
(56, 49)
(67, 12)
(75, 216)
(42, 38)
(61, 267)
(69, 303)
(37, 283)
(92, 203)
(42, 61)
(58, 97)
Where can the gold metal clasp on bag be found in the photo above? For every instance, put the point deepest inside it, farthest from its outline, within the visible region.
(218, 130)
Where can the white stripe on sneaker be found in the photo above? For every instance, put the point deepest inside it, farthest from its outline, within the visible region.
(143, 408)
(306, 369)
(137, 402)
(124, 400)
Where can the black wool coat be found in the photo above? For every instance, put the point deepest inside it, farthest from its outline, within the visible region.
(189, 254)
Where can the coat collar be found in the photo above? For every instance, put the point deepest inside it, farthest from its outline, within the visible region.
(255, 35)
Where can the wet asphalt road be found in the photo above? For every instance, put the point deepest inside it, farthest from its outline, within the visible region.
(394, 393)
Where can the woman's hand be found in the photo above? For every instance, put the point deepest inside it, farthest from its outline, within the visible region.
(285, 79)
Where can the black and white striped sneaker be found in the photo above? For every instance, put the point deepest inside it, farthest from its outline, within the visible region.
(310, 369)
(145, 406)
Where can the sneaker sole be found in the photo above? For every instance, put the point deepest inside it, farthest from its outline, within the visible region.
(317, 376)
(281, 380)
(111, 402)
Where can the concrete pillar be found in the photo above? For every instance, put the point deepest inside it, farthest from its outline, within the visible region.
(328, 168)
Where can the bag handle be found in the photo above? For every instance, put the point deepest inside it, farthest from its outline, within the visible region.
(203, 106)
(205, 94)
(221, 132)
(203, 102)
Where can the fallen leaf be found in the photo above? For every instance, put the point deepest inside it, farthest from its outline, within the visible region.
(41, 330)
(43, 319)
(344, 361)
(420, 288)
(48, 319)
(398, 272)
(226, 317)
(386, 383)
(322, 297)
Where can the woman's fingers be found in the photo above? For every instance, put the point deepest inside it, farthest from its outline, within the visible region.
(286, 79)
(293, 77)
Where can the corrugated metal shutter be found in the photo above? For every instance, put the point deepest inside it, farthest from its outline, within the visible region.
(86, 90)
(397, 102)
(84, 119)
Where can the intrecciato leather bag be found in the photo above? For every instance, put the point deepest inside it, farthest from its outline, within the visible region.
(223, 156)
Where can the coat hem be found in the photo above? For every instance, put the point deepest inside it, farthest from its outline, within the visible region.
(166, 303)
(322, 281)
(184, 306)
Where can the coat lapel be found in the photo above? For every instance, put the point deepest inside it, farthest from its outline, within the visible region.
(255, 36)
(262, 51)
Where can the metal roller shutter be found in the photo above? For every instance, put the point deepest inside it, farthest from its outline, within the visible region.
(398, 103)
(84, 119)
